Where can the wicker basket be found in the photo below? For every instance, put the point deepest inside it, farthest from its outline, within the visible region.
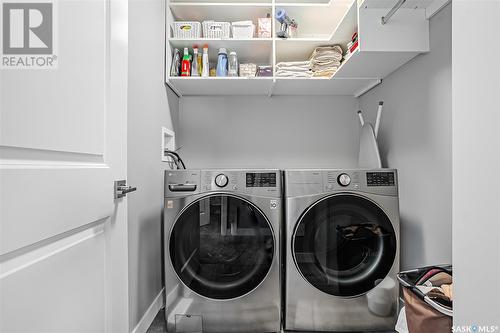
(187, 29)
(212, 29)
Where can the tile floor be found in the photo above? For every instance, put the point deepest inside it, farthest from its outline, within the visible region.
(158, 325)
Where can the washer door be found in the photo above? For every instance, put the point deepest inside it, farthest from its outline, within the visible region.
(344, 245)
(222, 247)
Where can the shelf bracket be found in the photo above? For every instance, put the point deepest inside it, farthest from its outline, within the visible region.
(394, 9)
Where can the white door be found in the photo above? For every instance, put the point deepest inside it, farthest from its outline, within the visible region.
(63, 237)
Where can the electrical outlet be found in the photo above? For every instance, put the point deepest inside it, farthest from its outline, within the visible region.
(167, 142)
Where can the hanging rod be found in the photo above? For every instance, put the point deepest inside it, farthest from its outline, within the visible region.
(394, 9)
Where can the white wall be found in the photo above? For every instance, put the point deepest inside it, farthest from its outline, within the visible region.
(278, 132)
(415, 138)
(151, 106)
(476, 164)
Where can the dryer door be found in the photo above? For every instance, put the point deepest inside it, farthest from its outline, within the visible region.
(222, 246)
(344, 245)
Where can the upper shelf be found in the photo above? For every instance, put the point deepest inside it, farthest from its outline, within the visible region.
(296, 49)
(217, 2)
(229, 12)
(319, 20)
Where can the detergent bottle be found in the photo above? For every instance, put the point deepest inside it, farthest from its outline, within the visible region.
(222, 62)
(194, 63)
(205, 67)
(186, 63)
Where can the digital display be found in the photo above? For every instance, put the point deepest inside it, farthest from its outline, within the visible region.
(380, 179)
(261, 179)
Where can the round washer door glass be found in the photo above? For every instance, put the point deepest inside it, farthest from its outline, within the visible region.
(222, 247)
(344, 245)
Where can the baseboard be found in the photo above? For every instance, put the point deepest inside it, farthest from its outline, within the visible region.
(150, 314)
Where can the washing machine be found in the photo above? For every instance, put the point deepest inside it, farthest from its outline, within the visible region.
(222, 250)
(342, 250)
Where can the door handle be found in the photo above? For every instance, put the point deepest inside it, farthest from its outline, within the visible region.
(121, 189)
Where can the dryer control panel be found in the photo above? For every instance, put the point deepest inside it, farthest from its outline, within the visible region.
(304, 182)
(380, 178)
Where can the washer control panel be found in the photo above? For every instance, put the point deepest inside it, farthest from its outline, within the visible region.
(255, 182)
(380, 179)
(261, 179)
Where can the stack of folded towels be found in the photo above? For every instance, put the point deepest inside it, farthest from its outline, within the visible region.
(324, 62)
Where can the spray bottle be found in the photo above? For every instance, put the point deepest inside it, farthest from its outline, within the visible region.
(186, 63)
(206, 65)
(194, 63)
(199, 62)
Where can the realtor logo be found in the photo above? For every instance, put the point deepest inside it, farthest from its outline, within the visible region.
(28, 35)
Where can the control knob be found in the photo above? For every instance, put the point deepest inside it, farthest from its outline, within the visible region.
(221, 180)
(344, 179)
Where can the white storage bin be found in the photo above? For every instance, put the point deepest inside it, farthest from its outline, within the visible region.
(212, 29)
(243, 29)
(187, 29)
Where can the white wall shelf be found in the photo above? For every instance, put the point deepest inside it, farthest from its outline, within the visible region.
(199, 86)
(382, 48)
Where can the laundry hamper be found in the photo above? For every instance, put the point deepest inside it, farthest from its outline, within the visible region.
(424, 313)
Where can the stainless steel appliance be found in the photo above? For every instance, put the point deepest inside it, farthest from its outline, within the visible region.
(342, 250)
(222, 250)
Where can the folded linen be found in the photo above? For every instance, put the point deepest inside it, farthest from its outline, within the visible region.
(288, 64)
(323, 62)
(294, 74)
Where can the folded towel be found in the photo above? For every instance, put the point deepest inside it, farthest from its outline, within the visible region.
(303, 64)
(294, 74)
(325, 73)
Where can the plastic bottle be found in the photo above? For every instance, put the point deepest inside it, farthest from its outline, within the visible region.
(233, 64)
(176, 63)
(194, 63)
(222, 62)
(205, 69)
(186, 63)
(200, 63)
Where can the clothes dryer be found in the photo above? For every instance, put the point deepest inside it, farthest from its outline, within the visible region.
(342, 250)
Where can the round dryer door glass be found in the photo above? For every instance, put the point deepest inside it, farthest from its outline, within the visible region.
(344, 245)
(222, 247)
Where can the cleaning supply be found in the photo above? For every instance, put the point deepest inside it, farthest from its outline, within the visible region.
(186, 63)
(194, 63)
(264, 26)
(222, 62)
(205, 71)
(233, 64)
(176, 63)
(288, 27)
(199, 62)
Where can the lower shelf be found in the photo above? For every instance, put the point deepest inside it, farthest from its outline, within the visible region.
(201, 86)
(322, 86)
(268, 86)
(372, 64)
